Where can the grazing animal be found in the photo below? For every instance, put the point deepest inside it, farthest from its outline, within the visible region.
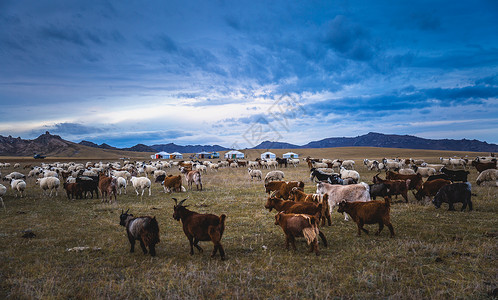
(339, 193)
(480, 166)
(349, 174)
(489, 175)
(200, 227)
(458, 175)
(299, 196)
(394, 187)
(289, 206)
(438, 176)
(424, 171)
(283, 188)
(104, 184)
(378, 190)
(18, 185)
(193, 177)
(121, 184)
(141, 183)
(430, 188)
(144, 229)
(330, 178)
(73, 190)
(281, 162)
(173, 184)
(274, 176)
(348, 164)
(371, 212)
(14, 175)
(3, 191)
(255, 173)
(89, 185)
(416, 181)
(453, 193)
(300, 225)
(49, 183)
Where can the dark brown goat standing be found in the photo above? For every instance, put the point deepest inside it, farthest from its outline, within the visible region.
(200, 227)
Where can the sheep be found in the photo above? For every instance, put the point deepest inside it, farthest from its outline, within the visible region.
(49, 183)
(3, 191)
(271, 163)
(149, 170)
(14, 175)
(293, 161)
(17, 165)
(368, 213)
(424, 171)
(48, 173)
(144, 229)
(406, 172)
(255, 173)
(158, 173)
(125, 174)
(121, 184)
(200, 227)
(141, 183)
(300, 225)
(490, 175)
(234, 165)
(274, 176)
(317, 165)
(348, 164)
(200, 168)
(18, 185)
(350, 174)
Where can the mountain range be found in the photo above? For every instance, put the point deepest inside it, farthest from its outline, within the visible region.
(54, 145)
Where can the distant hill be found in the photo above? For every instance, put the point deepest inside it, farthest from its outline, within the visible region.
(373, 139)
(140, 148)
(53, 145)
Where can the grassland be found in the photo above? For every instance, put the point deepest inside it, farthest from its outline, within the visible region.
(435, 254)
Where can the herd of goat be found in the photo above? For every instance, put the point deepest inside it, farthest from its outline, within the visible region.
(298, 214)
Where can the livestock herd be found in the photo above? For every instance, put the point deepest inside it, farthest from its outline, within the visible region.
(298, 214)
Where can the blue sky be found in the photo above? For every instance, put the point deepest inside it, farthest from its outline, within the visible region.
(236, 73)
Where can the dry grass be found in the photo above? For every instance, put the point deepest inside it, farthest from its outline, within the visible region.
(435, 254)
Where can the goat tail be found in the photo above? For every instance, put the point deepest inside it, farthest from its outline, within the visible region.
(150, 233)
(310, 233)
(221, 226)
(387, 201)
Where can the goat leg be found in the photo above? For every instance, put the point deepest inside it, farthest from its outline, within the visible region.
(381, 226)
(196, 242)
(322, 236)
(142, 244)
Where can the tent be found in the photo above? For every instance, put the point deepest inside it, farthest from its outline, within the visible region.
(290, 155)
(268, 155)
(161, 155)
(234, 154)
(175, 155)
(204, 154)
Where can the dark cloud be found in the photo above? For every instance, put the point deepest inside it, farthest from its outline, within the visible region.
(70, 129)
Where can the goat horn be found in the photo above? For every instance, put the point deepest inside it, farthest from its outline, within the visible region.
(127, 211)
(181, 202)
(176, 201)
(273, 194)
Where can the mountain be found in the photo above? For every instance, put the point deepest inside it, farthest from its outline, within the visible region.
(373, 139)
(53, 145)
(140, 148)
(171, 147)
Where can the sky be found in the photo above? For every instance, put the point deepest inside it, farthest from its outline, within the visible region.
(237, 73)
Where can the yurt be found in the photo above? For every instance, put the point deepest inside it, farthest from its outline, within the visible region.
(268, 155)
(161, 155)
(234, 154)
(290, 155)
(175, 155)
(204, 154)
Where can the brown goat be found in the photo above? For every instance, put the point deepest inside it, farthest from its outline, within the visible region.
(289, 206)
(300, 225)
(173, 184)
(105, 187)
(200, 227)
(430, 188)
(300, 196)
(415, 180)
(73, 190)
(370, 212)
(394, 187)
(283, 188)
(480, 166)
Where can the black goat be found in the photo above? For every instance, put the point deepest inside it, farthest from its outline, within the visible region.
(144, 229)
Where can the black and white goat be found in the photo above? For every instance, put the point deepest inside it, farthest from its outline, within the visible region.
(144, 229)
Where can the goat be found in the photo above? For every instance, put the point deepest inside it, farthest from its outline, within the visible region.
(452, 193)
(371, 212)
(73, 190)
(105, 188)
(200, 227)
(480, 166)
(458, 175)
(191, 177)
(289, 206)
(144, 229)
(430, 188)
(394, 187)
(283, 188)
(173, 184)
(300, 225)
(299, 196)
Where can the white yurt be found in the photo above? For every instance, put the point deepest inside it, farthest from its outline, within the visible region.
(268, 155)
(290, 155)
(234, 154)
(176, 155)
(161, 155)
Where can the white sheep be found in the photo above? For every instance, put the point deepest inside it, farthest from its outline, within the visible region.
(252, 164)
(349, 174)
(71, 179)
(489, 175)
(200, 168)
(348, 164)
(125, 174)
(234, 165)
(274, 176)
(141, 183)
(317, 165)
(48, 173)
(424, 171)
(121, 184)
(18, 185)
(406, 172)
(158, 173)
(148, 169)
(255, 173)
(271, 163)
(293, 161)
(15, 175)
(3, 191)
(17, 165)
(49, 183)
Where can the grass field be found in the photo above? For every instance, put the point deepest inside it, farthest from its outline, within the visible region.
(436, 253)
